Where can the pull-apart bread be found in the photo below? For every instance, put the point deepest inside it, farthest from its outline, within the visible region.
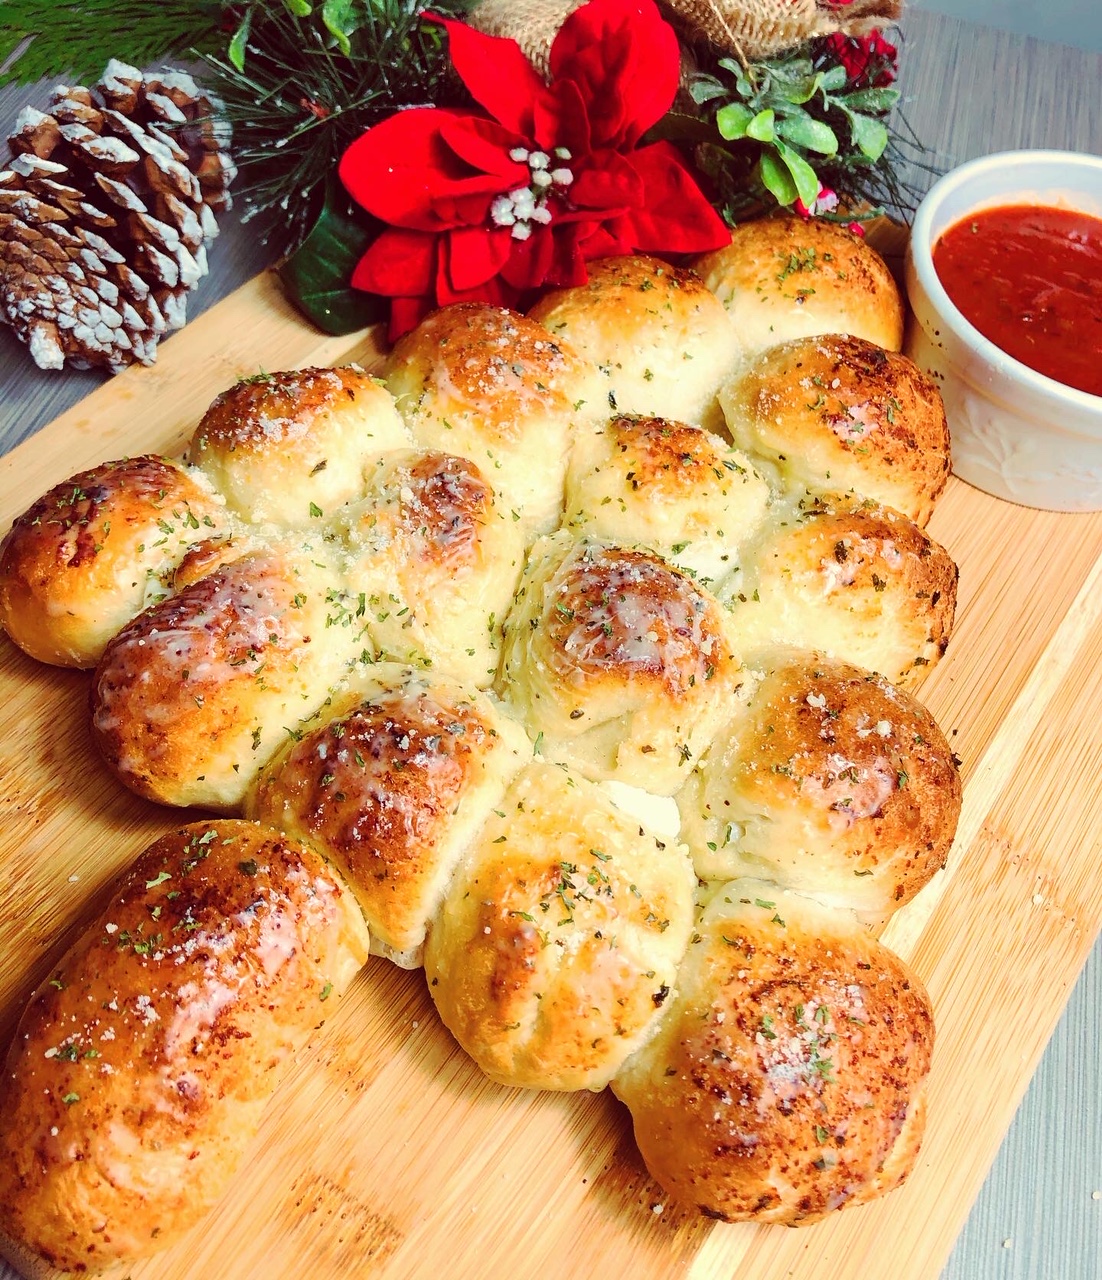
(571, 660)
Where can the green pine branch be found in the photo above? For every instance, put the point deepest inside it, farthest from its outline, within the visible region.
(75, 39)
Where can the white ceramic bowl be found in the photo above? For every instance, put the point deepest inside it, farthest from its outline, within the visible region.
(1016, 433)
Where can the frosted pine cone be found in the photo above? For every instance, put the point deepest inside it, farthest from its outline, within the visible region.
(105, 213)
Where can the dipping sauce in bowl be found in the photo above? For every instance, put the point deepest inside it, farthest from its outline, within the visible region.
(1030, 279)
(1022, 429)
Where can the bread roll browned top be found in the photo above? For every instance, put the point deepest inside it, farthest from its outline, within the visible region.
(139, 1069)
(619, 662)
(835, 413)
(787, 1077)
(391, 781)
(192, 697)
(786, 277)
(852, 579)
(560, 935)
(288, 448)
(438, 555)
(94, 551)
(658, 335)
(673, 488)
(496, 387)
(828, 780)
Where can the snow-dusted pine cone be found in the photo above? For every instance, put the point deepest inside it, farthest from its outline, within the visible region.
(106, 210)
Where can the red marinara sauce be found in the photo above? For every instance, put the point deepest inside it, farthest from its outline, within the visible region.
(1030, 279)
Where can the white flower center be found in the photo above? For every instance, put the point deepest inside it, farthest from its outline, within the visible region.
(525, 206)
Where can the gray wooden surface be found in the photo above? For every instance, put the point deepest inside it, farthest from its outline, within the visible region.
(971, 90)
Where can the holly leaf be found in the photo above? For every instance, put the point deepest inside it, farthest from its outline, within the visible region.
(315, 277)
(341, 22)
(875, 101)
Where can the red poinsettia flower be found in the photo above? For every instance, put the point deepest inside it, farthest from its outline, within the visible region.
(487, 206)
(870, 60)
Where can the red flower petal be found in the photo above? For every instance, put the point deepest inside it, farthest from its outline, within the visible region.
(403, 173)
(499, 76)
(398, 262)
(625, 59)
(608, 181)
(485, 146)
(494, 291)
(475, 255)
(407, 314)
(673, 215)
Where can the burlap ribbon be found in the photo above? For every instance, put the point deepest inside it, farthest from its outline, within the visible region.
(747, 29)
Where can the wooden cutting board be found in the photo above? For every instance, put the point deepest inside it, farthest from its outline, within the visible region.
(386, 1153)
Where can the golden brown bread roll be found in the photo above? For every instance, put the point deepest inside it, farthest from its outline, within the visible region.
(785, 277)
(560, 935)
(439, 557)
(140, 1068)
(391, 781)
(673, 488)
(290, 448)
(94, 551)
(195, 694)
(787, 1077)
(829, 781)
(855, 581)
(619, 662)
(655, 331)
(834, 413)
(496, 387)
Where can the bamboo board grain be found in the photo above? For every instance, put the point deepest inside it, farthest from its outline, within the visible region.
(386, 1153)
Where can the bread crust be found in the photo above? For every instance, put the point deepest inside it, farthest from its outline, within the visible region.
(140, 1068)
(560, 935)
(655, 331)
(785, 277)
(787, 1077)
(836, 414)
(830, 781)
(91, 553)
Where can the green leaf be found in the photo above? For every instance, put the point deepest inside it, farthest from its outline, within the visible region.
(813, 135)
(316, 276)
(805, 89)
(761, 127)
(340, 21)
(834, 78)
(236, 51)
(732, 120)
(803, 175)
(869, 136)
(873, 101)
(776, 178)
(704, 88)
(298, 8)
